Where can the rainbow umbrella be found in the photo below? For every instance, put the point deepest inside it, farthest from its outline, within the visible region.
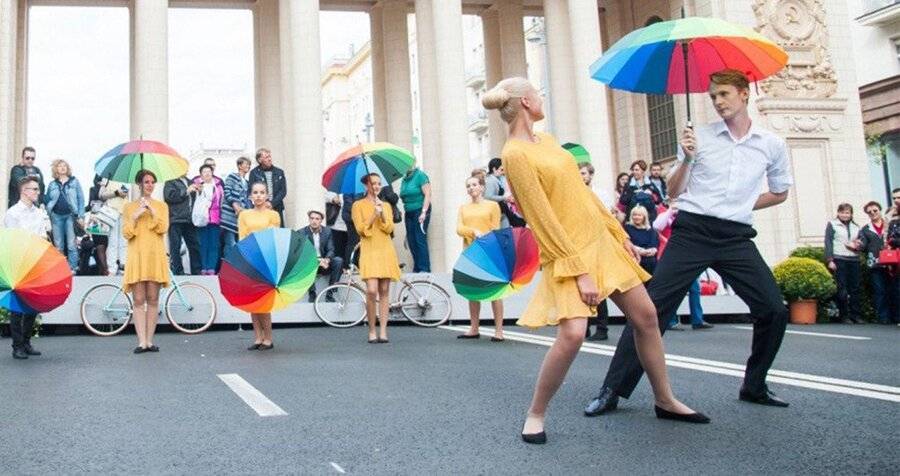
(579, 153)
(496, 264)
(124, 161)
(383, 158)
(268, 270)
(34, 276)
(677, 56)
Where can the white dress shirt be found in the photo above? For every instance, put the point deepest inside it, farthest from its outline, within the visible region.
(28, 218)
(726, 175)
(316, 242)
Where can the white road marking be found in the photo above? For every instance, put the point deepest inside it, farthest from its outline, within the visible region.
(251, 396)
(816, 382)
(816, 334)
(338, 468)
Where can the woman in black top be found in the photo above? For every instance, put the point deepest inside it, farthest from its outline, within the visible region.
(644, 237)
(640, 191)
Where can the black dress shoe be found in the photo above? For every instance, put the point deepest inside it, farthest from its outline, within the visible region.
(254, 347)
(597, 336)
(664, 414)
(30, 350)
(19, 354)
(469, 336)
(767, 398)
(535, 438)
(607, 401)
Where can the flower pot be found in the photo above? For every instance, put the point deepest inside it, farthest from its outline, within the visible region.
(803, 311)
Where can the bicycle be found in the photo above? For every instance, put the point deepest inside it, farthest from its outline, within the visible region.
(106, 310)
(422, 301)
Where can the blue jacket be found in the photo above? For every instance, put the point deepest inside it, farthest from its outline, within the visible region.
(74, 195)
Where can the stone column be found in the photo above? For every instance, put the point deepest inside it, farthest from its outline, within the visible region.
(493, 73)
(267, 56)
(512, 38)
(379, 91)
(150, 70)
(453, 140)
(303, 162)
(564, 107)
(21, 75)
(396, 71)
(8, 38)
(287, 78)
(592, 107)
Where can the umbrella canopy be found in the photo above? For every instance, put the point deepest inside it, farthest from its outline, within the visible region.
(268, 270)
(677, 56)
(34, 276)
(496, 265)
(385, 159)
(579, 153)
(124, 161)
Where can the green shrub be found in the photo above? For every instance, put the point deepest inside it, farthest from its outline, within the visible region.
(813, 252)
(867, 308)
(804, 278)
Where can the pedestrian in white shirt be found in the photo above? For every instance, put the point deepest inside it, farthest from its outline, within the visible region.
(718, 182)
(25, 215)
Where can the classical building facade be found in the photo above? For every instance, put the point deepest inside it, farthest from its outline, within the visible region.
(814, 103)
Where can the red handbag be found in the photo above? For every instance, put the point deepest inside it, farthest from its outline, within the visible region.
(708, 287)
(889, 257)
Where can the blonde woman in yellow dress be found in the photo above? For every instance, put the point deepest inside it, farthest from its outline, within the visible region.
(476, 218)
(378, 264)
(144, 223)
(585, 256)
(260, 217)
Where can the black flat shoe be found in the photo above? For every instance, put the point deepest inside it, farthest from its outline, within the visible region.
(607, 401)
(382, 341)
(373, 341)
(535, 438)
(266, 347)
(767, 398)
(497, 339)
(664, 414)
(467, 336)
(597, 336)
(153, 348)
(254, 347)
(139, 350)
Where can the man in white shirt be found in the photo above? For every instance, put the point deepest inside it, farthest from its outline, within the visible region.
(718, 182)
(25, 215)
(320, 236)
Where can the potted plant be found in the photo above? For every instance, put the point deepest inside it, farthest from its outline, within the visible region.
(803, 282)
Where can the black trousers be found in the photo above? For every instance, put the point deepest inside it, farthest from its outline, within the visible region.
(187, 232)
(339, 238)
(699, 242)
(847, 297)
(600, 321)
(334, 270)
(20, 328)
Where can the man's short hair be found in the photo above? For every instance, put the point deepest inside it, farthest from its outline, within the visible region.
(873, 203)
(310, 213)
(27, 148)
(895, 190)
(242, 160)
(26, 179)
(731, 77)
(261, 151)
(589, 167)
(656, 164)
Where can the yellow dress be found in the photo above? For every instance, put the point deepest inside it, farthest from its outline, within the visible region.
(479, 217)
(575, 231)
(377, 257)
(255, 220)
(147, 260)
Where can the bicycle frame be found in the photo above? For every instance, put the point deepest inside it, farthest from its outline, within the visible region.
(162, 294)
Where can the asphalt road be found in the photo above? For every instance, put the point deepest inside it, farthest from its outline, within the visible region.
(428, 403)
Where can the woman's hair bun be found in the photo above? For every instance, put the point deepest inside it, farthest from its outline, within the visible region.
(496, 98)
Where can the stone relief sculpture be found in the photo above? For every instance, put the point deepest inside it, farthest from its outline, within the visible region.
(799, 27)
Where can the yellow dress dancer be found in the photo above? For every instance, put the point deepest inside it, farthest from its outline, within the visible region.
(147, 260)
(546, 184)
(253, 220)
(473, 218)
(377, 257)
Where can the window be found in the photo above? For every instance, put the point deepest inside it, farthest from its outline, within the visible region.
(661, 116)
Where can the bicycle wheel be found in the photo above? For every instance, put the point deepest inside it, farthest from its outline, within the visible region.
(190, 308)
(425, 303)
(346, 306)
(105, 309)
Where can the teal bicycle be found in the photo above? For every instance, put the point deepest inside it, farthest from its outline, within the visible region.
(106, 310)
